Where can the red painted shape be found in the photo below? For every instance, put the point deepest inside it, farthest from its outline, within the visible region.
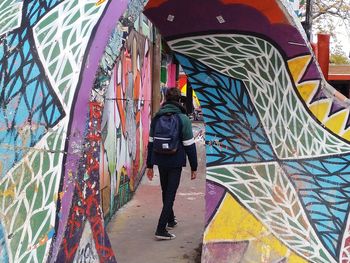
(315, 49)
(154, 3)
(268, 7)
(323, 53)
(86, 200)
(182, 81)
(338, 77)
(346, 250)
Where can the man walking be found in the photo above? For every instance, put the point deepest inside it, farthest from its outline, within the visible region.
(171, 159)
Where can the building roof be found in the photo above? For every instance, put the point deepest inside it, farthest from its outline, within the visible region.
(339, 72)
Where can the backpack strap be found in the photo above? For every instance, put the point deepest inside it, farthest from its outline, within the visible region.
(180, 122)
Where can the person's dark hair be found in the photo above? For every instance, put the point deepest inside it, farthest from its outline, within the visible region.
(173, 94)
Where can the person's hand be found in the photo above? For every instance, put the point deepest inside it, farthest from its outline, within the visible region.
(193, 175)
(150, 173)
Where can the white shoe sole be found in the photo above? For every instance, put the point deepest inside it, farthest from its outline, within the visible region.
(165, 238)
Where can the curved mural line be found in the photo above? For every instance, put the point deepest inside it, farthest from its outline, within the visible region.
(276, 135)
(75, 105)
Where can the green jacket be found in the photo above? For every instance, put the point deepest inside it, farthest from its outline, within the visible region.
(188, 146)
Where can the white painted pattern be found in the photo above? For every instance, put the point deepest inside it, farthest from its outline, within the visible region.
(276, 204)
(291, 130)
(10, 15)
(76, 18)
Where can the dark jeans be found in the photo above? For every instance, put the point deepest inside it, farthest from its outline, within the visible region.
(169, 180)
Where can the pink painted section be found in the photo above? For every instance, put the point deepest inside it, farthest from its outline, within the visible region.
(171, 81)
(147, 93)
(224, 252)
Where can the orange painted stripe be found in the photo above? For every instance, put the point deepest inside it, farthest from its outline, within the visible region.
(154, 3)
(182, 81)
(120, 106)
(137, 84)
(268, 7)
(100, 2)
(338, 77)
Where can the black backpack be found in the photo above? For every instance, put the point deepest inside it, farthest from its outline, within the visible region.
(167, 130)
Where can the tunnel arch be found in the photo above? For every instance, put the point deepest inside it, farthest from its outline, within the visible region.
(277, 133)
(252, 67)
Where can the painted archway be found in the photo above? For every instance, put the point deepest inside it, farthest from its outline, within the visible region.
(277, 135)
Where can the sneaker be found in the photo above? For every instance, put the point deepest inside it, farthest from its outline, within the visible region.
(164, 235)
(173, 224)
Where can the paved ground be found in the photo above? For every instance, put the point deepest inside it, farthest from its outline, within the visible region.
(131, 231)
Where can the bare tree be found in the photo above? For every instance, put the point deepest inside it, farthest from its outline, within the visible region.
(328, 16)
(323, 13)
(325, 9)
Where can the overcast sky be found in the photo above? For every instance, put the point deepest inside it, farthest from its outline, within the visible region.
(343, 37)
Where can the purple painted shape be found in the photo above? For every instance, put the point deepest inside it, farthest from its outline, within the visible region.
(336, 107)
(238, 17)
(319, 96)
(81, 107)
(311, 73)
(213, 196)
(224, 252)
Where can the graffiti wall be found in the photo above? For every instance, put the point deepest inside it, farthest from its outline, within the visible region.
(74, 116)
(125, 123)
(277, 136)
(75, 92)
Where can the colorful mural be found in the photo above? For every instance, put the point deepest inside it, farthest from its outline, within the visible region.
(182, 84)
(125, 123)
(276, 134)
(75, 93)
(66, 67)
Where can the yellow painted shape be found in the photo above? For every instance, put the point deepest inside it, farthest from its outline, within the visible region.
(294, 258)
(183, 90)
(100, 2)
(307, 90)
(195, 98)
(336, 121)
(61, 194)
(9, 192)
(320, 110)
(297, 67)
(346, 135)
(233, 222)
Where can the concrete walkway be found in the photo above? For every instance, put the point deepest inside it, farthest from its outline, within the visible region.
(131, 230)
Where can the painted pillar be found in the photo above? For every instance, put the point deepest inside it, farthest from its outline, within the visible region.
(323, 53)
(171, 81)
(189, 98)
(315, 49)
(156, 65)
